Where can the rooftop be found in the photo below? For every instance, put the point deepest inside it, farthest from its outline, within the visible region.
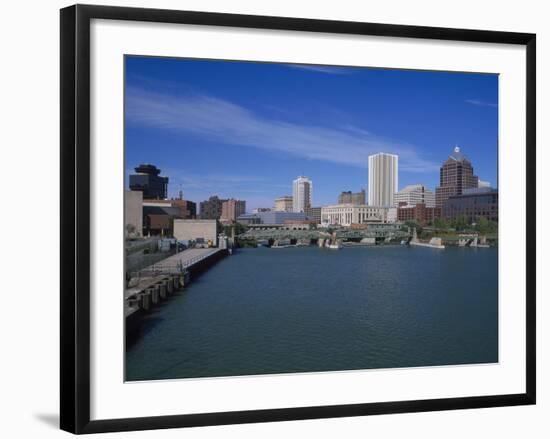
(457, 155)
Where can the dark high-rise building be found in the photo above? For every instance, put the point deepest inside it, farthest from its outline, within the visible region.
(211, 208)
(472, 205)
(456, 174)
(348, 197)
(147, 180)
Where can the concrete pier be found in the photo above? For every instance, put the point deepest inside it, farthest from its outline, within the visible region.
(155, 296)
(162, 290)
(146, 300)
(170, 286)
(434, 242)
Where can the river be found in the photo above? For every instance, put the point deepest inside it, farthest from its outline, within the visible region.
(305, 309)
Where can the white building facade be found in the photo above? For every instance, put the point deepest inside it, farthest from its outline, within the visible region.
(133, 213)
(383, 179)
(301, 194)
(193, 229)
(415, 194)
(348, 214)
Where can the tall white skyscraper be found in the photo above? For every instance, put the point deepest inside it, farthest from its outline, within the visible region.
(301, 194)
(383, 180)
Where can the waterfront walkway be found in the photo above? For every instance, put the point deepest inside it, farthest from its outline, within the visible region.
(177, 263)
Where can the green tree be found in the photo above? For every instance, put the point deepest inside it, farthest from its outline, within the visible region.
(441, 224)
(239, 229)
(414, 225)
(130, 229)
(484, 226)
(460, 223)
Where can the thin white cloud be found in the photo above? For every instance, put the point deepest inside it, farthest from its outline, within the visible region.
(481, 103)
(222, 183)
(330, 70)
(211, 181)
(256, 190)
(224, 122)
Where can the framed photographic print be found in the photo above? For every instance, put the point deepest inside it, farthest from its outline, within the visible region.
(268, 218)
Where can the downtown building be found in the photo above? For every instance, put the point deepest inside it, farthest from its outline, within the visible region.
(348, 214)
(301, 194)
(272, 217)
(471, 205)
(188, 209)
(159, 215)
(284, 204)
(232, 209)
(383, 179)
(158, 220)
(211, 208)
(148, 181)
(456, 175)
(419, 213)
(348, 197)
(414, 194)
(314, 214)
(133, 213)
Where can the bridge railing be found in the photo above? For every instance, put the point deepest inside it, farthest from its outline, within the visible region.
(179, 267)
(341, 234)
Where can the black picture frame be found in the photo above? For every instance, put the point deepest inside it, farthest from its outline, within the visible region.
(75, 217)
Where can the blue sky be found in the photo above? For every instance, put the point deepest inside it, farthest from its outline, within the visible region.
(246, 130)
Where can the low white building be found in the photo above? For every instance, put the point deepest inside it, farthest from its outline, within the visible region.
(415, 194)
(348, 214)
(193, 230)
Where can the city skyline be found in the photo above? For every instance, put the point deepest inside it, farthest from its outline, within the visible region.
(171, 105)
